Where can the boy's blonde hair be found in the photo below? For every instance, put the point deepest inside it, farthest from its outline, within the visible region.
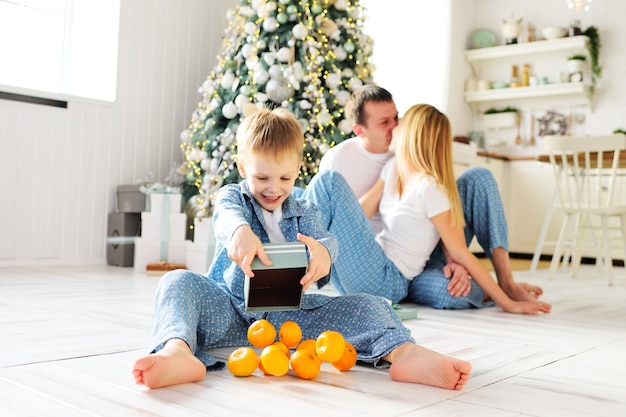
(274, 133)
(425, 145)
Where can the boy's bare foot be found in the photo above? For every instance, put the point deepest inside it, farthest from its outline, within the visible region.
(174, 364)
(416, 364)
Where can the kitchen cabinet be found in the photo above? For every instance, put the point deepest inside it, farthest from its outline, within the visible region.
(547, 58)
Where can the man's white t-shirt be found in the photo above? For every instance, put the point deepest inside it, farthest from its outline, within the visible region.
(408, 236)
(359, 167)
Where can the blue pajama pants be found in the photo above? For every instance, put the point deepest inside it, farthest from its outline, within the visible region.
(200, 311)
(362, 266)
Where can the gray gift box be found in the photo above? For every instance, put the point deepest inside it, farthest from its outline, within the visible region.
(130, 199)
(122, 228)
(277, 287)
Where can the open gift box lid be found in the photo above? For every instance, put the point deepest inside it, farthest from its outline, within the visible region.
(277, 287)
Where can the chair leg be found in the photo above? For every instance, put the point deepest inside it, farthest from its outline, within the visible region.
(606, 251)
(542, 236)
(558, 250)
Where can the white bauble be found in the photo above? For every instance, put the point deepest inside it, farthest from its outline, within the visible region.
(355, 84)
(341, 4)
(185, 136)
(305, 104)
(279, 90)
(260, 77)
(230, 110)
(240, 100)
(203, 155)
(300, 31)
(284, 54)
(345, 126)
(250, 28)
(347, 73)
(227, 80)
(333, 80)
(261, 97)
(271, 6)
(194, 154)
(340, 53)
(342, 97)
(247, 50)
(245, 90)
(275, 71)
(324, 117)
(270, 24)
(269, 58)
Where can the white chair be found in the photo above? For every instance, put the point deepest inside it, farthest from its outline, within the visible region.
(588, 186)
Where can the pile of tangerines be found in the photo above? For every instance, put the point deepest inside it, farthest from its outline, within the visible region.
(276, 356)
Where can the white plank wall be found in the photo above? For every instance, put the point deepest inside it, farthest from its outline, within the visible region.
(59, 168)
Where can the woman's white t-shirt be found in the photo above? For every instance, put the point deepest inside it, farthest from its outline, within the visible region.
(408, 236)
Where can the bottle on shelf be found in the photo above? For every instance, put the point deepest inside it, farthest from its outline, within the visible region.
(530, 32)
(526, 75)
(574, 28)
(515, 81)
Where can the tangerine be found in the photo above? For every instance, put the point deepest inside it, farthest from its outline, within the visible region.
(282, 347)
(305, 363)
(261, 333)
(348, 359)
(274, 361)
(330, 345)
(290, 333)
(243, 361)
(307, 344)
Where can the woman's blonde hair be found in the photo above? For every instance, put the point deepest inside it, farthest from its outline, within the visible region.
(424, 144)
(270, 132)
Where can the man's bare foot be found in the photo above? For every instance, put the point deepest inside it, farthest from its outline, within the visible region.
(416, 364)
(533, 290)
(174, 364)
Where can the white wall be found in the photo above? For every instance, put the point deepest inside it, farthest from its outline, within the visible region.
(59, 168)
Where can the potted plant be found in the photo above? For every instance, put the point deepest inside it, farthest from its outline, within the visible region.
(594, 53)
(576, 66)
(496, 118)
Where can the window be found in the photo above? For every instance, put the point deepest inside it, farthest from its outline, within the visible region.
(66, 47)
(411, 49)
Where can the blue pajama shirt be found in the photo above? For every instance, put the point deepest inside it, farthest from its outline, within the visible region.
(363, 267)
(208, 312)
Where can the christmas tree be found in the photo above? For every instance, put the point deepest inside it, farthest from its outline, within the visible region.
(304, 55)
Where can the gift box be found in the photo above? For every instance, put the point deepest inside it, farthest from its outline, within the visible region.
(150, 251)
(203, 231)
(170, 227)
(164, 203)
(199, 256)
(277, 287)
(122, 229)
(130, 199)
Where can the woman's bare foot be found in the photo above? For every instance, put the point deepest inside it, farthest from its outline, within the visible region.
(522, 291)
(174, 364)
(416, 364)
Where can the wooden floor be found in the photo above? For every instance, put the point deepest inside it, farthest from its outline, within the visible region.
(69, 337)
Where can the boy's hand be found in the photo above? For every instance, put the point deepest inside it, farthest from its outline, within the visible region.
(244, 246)
(319, 261)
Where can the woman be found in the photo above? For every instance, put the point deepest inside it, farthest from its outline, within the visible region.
(420, 206)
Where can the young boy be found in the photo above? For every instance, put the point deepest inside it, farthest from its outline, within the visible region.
(196, 313)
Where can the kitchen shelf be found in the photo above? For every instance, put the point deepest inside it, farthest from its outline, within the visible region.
(549, 95)
(570, 46)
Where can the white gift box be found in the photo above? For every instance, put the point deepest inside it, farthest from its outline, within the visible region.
(148, 251)
(199, 256)
(203, 231)
(174, 224)
(157, 202)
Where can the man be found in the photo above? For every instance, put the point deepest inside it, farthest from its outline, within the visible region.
(374, 115)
